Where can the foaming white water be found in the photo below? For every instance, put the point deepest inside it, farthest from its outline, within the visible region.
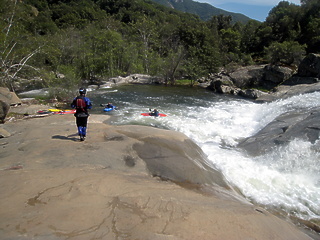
(288, 178)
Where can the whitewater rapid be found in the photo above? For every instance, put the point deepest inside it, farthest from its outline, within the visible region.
(286, 179)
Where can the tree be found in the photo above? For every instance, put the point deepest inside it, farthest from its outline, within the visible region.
(14, 53)
(249, 38)
(104, 53)
(230, 40)
(288, 53)
(284, 19)
(146, 31)
(312, 35)
(220, 22)
(310, 25)
(173, 62)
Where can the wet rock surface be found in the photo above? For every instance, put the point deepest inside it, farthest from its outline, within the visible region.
(283, 129)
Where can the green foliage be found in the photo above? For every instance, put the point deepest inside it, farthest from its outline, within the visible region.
(220, 22)
(204, 10)
(61, 86)
(230, 40)
(284, 20)
(310, 25)
(89, 39)
(17, 45)
(287, 53)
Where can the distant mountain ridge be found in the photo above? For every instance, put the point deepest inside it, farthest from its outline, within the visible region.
(204, 10)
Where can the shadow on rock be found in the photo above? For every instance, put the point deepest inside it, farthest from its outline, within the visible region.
(70, 137)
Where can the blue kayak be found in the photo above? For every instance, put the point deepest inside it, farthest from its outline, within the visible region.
(109, 109)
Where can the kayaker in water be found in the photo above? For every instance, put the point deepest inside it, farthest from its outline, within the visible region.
(81, 103)
(155, 112)
(109, 105)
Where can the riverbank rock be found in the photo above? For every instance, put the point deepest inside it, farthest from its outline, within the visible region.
(239, 82)
(172, 156)
(4, 109)
(310, 66)
(247, 77)
(285, 91)
(276, 79)
(4, 133)
(55, 187)
(275, 75)
(246, 81)
(9, 97)
(305, 80)
(303, 125)
(134, 79)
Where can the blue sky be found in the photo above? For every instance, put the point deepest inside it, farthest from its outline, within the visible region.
(255, 9)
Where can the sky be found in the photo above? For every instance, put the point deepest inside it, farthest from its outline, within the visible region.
(255, 9)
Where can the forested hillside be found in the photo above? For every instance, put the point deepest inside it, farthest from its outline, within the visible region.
(204, 10)
(86, 40)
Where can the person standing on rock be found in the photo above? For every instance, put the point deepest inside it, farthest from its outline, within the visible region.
(81, 103)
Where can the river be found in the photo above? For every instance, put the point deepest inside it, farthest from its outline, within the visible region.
(286, 180)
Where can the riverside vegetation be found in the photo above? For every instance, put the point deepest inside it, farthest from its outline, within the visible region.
(91, 40)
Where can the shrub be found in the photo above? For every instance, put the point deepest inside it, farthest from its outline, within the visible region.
(287, 52)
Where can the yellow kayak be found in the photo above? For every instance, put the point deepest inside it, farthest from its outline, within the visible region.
(54, 110)
(58, 110)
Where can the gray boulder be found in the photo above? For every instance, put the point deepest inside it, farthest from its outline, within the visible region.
(251, 93)
(277, 79)
(136, 79)
(277, 74)
(285, 91)
(222, 83)
(247, 77)
(4, 109)
(310, 66)
(240, 82)
(295, 80)
(9, 97)
(4, 133)
(303, 125)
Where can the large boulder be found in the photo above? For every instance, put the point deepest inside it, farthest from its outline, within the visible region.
(222, 83)
(239, 82)
(247, 77)
(260, 76)
(308, 71)
(306, 80)
(9, 97)
(54, 187)
(310, 66)
(296, 80)
(4, 133)
(172, 156)
(286, 91)
(277, 74)
(251, 93)
(136, 79)
(278, 80)
(303, 125)
(4, 109)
